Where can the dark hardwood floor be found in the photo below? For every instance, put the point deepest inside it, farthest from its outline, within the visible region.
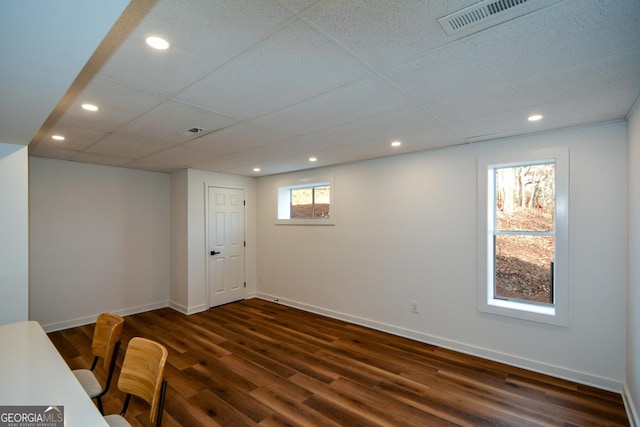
(259, 363)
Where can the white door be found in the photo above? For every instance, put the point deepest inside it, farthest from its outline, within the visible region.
(225, 245)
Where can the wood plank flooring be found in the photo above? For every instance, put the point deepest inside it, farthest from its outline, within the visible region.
(259, 363)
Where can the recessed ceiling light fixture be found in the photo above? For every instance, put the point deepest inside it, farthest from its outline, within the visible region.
(396, 144)
(535, 117)
(256, 169)
(313, 159)
(90, 107)
(157, 43)
(58, 137)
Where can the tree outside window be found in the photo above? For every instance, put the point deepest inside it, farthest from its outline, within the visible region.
(524, 233)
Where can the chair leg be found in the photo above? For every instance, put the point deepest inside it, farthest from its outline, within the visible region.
(112, 367)
(109, 376)
(99, 399)
(163, 392)
(126, 405)
(94, 363)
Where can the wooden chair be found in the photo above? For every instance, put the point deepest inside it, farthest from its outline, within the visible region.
(105, 345)
(142, 376)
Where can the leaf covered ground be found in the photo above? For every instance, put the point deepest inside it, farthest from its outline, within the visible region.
(523, 263)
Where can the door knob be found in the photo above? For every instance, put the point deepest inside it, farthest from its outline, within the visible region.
(214, 253)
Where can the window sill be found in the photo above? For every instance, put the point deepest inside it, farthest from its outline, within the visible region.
(327, 221)
(521, 306)
(524, 311)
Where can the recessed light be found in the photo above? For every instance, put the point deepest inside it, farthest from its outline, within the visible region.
(256, 169)
(313, 159)
(396, 144)
(90, 107)
(58, 137)
(157, 43)
(535, 117)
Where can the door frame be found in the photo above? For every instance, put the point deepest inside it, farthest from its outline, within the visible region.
(206, 237)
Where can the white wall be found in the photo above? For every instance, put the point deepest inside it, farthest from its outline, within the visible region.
(99, 241)
(195, 287)
(632, 383)
(406, 230)
(14, 232)
(178, 297)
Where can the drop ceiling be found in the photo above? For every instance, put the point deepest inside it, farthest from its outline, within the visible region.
(274, 82)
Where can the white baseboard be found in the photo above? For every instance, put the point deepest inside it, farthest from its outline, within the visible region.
(178, 307)
(520, 362)
(187, 310)
(66, 324)
(632, 411)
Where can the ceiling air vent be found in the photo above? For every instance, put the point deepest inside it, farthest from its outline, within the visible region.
(192, 131)
(490, 12)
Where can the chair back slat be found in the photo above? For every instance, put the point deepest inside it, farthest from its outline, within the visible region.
(142, 371)
(106, 334)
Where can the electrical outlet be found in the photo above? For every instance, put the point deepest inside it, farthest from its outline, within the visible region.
(415, 307)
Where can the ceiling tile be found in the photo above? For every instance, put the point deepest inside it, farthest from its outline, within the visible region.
(76, 138)
(100, 159)
(246, 159)
(567, 112)
(592, 108)
(437, 136)
(434, 137)
(273, 167)
(387, 125)
(172, 159)
(51, 152)
(300, 5)
(620, 71)
(290, 66)
(584, 30)
(358, 100)
(123, 145)
(118, 105)
(203, 34)
(552, 39)
(237, 138)
(169, 120)
(354, 152)
(385, 32)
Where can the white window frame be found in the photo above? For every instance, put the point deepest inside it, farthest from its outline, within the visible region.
(558, 312)
(283, 200)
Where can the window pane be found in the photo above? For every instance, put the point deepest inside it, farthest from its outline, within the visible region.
(302, 203)
(523, 267)
(525, 198)
(322, 201)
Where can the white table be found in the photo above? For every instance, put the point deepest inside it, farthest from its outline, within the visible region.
(32, 372)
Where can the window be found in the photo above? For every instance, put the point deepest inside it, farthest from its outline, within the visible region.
(307, 202)
(311, 202)
(523, 224)
(523, 229)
